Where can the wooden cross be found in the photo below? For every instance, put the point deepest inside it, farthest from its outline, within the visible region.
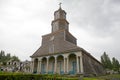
(60, 4)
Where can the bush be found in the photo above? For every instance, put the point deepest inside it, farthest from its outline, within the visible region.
(32, 77)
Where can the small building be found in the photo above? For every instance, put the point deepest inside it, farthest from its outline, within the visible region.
(13, 62)
(60, 54)
(13, 66)
(25, 66)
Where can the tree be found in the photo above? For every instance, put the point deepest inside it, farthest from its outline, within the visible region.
(2, 53)
(105, 60)
(8, 55)
(15, 58)
(2, 56)
(5, 58)
(115, 64)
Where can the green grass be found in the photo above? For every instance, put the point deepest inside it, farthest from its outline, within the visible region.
(106, 77)
(92, 79)
(9, 73)
(111, 76)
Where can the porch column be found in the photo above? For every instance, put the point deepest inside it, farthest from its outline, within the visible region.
(67, 64)
(40, 65)
(77, 64)
(64, 65)
(81, 64)
(55, 69)
(32, 67)
(47, 64)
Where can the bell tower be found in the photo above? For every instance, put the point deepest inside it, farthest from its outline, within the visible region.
(59, 22)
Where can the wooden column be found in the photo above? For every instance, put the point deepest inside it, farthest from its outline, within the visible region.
(77, 60)
(81, 64)
(55, 69)
(47, 64)
(32, 68)
(67, 64)
(64, 65)
(40, 65)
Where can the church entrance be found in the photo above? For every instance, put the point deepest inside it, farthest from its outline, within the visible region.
(73, 67)
(60, 67)
(43, 66)
(60, 64)
(35, 65)
(51, 65)
(72, 64)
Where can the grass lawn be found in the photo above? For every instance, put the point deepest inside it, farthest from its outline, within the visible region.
(107, 77)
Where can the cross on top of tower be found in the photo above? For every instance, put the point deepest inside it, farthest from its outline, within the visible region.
(60, 4)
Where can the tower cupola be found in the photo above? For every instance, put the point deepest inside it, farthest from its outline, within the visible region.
(59, 21)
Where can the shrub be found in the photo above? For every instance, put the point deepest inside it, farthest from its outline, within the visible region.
(32, 77)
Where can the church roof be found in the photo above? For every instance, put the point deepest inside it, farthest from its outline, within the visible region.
(60, 46)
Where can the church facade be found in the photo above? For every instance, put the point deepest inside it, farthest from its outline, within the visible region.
(60, 54)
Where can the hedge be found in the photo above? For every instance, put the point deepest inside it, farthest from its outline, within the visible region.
(32, 77)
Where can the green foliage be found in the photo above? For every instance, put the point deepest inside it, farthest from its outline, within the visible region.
(105, 60)
(116, 64)
(4, 58)
(21, 76)
(31, 77)
(106, 77)
(15, 58)
(90, 79)
(108, 64)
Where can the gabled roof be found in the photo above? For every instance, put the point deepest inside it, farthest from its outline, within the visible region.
(60, 47)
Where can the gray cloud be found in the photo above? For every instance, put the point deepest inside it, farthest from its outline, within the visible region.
(97, 16)
(101, 21)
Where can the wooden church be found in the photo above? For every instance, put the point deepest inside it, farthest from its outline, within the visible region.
(59, 53)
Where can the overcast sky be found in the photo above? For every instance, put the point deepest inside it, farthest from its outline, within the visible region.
(95, 24)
